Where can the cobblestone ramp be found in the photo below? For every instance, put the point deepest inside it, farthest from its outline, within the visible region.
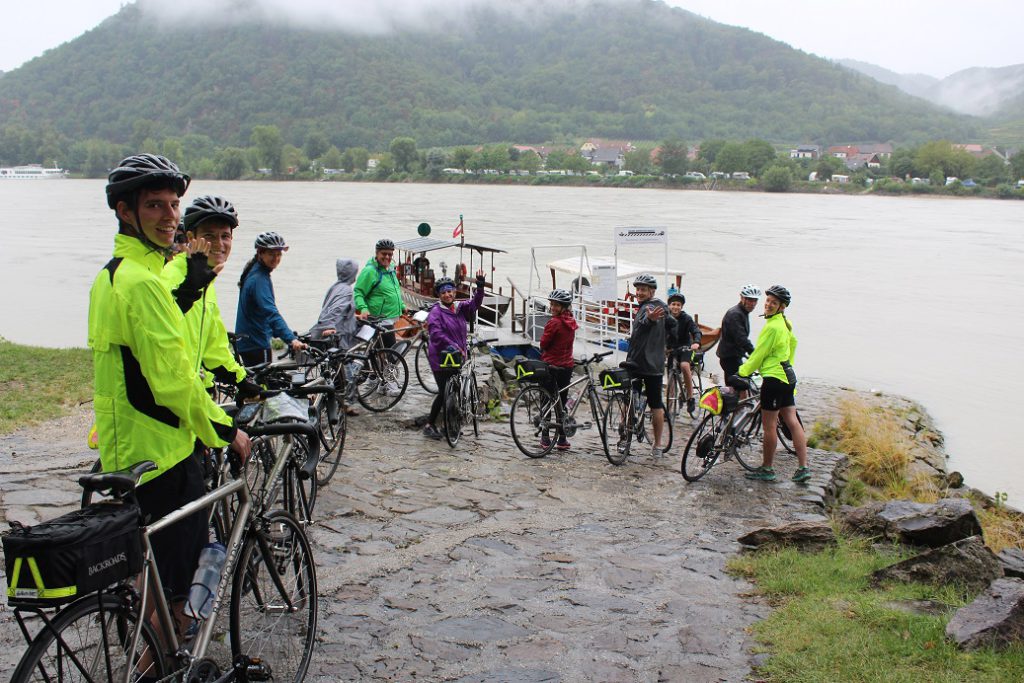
(479, 564)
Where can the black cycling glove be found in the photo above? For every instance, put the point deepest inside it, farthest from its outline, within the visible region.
(248, 389)
(198, 274)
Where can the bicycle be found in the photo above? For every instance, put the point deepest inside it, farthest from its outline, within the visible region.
(103, 631)
(734, 433)
(536, 413)
(383, 374)
(627, 416)
(675, 386)
(462, 394)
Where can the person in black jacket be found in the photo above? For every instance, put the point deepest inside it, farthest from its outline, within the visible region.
(683, 343)
(734, 344)
(652, 328)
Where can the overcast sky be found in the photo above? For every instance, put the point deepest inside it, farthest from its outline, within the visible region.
(908, 36)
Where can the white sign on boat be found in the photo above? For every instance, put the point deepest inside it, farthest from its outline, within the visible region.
(640, 235)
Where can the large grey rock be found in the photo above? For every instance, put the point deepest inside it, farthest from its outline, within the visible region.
(995, 618)
(813, 535)
(1012, 560)
(926, 524)
(968, 562)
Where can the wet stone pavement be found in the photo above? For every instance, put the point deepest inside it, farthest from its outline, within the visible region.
(479, 564)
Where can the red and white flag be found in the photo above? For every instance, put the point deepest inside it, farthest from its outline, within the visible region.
(458, 229)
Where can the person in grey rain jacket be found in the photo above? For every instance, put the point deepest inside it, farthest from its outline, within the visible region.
(338, 313)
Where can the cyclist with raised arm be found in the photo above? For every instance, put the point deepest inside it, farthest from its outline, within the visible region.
(257, 318)
(734, 343)
(149, 401)
(773, 358)
(448, 325)
(209, 224)
(646, 356)
(556, 346)
(683, 344)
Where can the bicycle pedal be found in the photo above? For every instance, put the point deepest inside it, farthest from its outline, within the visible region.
(585, 425)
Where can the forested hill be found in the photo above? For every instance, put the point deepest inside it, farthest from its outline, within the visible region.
(633, 69)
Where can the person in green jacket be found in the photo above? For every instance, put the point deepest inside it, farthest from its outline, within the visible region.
(209, 224)
(377, 291)
(773, 358)
(150, 403)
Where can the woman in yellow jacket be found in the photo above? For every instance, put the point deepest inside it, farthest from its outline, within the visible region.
(773, 358)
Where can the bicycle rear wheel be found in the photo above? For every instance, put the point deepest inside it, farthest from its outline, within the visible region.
(332, 437)
(424, 375)
(474, 403)
(701, 453)
(785, 438)
(617, 429)
(90, 640)
(532, 420)
(383, 380)
(452, 407)
(274, 601)
(675, 395)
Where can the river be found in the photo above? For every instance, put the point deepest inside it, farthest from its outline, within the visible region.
(916, 296)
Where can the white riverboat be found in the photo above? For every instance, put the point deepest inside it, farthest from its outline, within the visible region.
(32, 172)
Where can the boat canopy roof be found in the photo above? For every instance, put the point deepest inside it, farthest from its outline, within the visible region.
(626, 269)
(432, 244)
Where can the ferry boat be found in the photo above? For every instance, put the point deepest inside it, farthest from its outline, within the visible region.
(32, 172)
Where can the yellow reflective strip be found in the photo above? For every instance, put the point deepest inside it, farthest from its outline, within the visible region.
(449, 362)
(42, 590)
(12, 585)
(521, 372)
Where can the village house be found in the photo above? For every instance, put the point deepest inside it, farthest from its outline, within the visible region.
(805, 152)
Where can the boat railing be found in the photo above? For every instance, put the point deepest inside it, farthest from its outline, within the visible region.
(605, 323)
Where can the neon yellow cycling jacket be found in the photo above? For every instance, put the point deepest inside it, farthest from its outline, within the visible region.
(775, 343)
(206, 338)
(149, 402)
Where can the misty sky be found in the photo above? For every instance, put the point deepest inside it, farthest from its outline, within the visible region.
(907, 36)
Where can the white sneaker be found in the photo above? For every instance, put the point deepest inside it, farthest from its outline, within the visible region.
(657, 452)
(392, 389)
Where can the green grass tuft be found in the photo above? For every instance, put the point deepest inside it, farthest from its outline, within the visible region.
(38, 384)
(830, 624)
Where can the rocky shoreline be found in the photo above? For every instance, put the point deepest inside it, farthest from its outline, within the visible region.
(478, 564)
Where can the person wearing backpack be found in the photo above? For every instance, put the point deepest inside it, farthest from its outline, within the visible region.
(377, 291)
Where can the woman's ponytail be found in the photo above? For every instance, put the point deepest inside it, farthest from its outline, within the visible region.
(245, 271)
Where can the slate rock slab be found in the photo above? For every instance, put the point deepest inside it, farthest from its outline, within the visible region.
(925, 524)
(809, 535)
(968, 562)
(995, 618)
(1012, 560)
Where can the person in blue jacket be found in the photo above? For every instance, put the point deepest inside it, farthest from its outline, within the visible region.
(258, 319)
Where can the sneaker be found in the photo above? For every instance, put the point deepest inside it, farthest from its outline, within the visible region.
(392, 389)
(431, 432)
(657, 452)
(691, 406)
(545, 441)
(802, 474)
(563, 444)
(368, 385)
(621, 446)
(762, 474)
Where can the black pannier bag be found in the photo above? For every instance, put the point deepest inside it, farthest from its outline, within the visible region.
(73, 555)
(532, 371)
(614, 379)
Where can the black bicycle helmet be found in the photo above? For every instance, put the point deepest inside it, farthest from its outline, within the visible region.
(442, 282)
(677, 296)
(780, 293)
(207, 207)
(560, 296)
(141, 170)
(384, 243)
(645, 280)
(271, 240)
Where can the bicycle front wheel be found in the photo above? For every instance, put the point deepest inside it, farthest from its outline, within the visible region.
(273, 598)
(617, 429)
(383, 380)
(785, 438)
(474, 403)
(453, 410)
(90, 640)
(424, 375)
(674, 395)
(746, 442)
(300, 494)
(532, 420)
(701, 452)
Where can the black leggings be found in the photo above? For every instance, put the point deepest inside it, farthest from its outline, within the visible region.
(560, 379)
(441, 377)
(257, 357)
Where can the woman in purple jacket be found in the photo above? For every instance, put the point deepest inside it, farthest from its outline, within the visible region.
(447, 325)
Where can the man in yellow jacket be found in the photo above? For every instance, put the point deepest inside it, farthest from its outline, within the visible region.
(150, 403)
(773, 357)
(209, 224)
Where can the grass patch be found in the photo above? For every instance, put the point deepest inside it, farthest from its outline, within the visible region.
(830, 624)
(38, 384)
